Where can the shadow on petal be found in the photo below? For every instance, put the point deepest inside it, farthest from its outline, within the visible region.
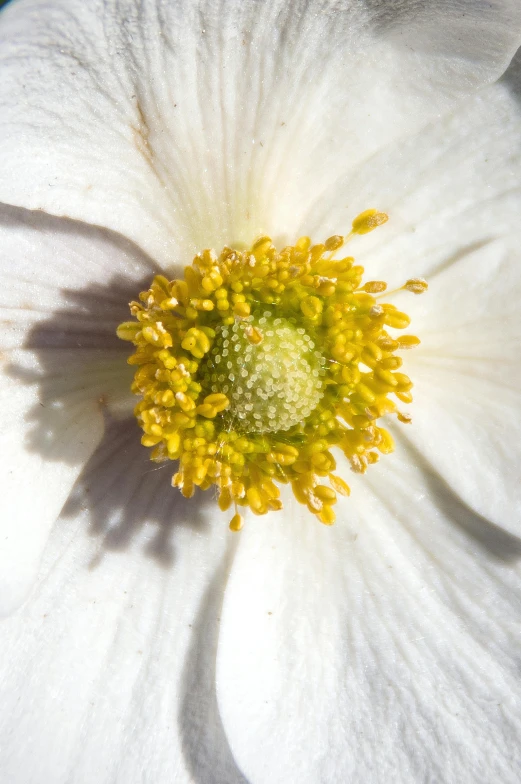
(122, 491)
(495, 541)
(459, 255)
(78, 368)
(512, 76)
(63, 337)
(204, 740)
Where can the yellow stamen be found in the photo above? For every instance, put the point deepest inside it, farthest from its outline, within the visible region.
(260, 362)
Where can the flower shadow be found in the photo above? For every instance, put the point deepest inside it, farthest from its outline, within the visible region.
(75, 369)
(205, 745)
(512, 76)
(77, 364)
(121, 492)
(493, 540)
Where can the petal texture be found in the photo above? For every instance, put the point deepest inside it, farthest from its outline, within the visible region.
(64, 290)
(468, 382)
(450, 189)
(184, 124)
(107, 672)
(385, 649)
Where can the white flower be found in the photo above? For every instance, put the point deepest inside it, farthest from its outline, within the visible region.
(385, 649)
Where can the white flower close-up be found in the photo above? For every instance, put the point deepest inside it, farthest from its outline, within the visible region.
(141, 640)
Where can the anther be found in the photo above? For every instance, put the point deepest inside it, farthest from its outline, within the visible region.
(368, 221)
(416, 285)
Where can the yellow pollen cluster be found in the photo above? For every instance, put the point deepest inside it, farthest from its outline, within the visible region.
(258, 363)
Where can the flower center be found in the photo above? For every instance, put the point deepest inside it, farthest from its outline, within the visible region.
(272, 385)
(258, 363)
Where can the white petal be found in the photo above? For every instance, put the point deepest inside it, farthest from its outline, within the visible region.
(467, 379)
(65, 287)
(448, 190)
(385, 649)
(467, 428)
(183, 124)
(107, 672)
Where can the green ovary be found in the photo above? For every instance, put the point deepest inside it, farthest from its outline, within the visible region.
(273, 385)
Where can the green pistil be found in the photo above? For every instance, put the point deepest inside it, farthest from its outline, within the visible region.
(272, 385)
